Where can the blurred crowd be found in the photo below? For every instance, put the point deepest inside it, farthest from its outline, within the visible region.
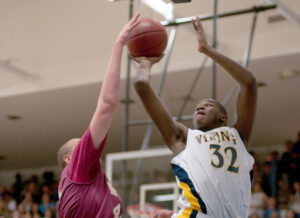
(276, 184)
(30, 198)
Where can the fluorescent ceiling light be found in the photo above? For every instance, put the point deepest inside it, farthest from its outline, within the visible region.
(165, 9)
(287, 74)
(287, 11)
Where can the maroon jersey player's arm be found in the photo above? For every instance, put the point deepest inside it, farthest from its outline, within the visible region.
(109, 95)
(87, 153)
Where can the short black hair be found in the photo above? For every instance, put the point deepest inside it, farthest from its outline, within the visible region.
(220, 106)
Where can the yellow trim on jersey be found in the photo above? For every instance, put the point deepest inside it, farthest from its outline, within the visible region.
(194, 204)
(186, 213)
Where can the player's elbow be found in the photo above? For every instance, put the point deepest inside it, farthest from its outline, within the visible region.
(109, 101)
(251, 83)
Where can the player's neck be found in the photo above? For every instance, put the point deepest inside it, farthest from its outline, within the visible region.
(211, 127)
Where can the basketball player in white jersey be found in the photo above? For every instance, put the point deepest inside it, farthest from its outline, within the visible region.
(211, 162)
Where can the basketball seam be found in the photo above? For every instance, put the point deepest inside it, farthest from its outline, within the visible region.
(155, 45)
(142, 33)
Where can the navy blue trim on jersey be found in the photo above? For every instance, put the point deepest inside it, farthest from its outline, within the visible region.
(183, 177)
(251, 176)
(194, 214)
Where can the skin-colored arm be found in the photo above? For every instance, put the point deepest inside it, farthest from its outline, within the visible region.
(247, 96)
(174, 133)
(109, 94)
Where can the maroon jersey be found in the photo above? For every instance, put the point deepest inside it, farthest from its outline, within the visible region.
(84, 188)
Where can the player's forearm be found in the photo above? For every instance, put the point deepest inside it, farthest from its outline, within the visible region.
(238, 72)
(156, 109)
(110, 86)
(142, 83)
(108, 98)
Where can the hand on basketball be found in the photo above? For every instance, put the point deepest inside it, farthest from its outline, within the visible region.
(129, 26)
(202, 43)
(143, 72)
(149, 60)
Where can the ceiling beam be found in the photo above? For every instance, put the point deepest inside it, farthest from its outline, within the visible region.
(187, 20)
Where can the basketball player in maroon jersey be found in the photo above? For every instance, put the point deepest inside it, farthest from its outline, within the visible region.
(84, 189)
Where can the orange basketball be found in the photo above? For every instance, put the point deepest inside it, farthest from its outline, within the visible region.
(149, 39)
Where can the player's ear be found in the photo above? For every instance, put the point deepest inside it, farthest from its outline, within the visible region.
(67, 158)
(223, 119)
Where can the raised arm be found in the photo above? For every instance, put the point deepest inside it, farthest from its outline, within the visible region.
(246, 105)
(174, 133)
(109, 94)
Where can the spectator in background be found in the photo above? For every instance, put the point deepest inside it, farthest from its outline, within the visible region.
(296, 147)
(295, 199)
(287, 165)
(35, 210)
(271, 211)
(17, 187)
(4, 212)
(26, 215)
(274, 214)
(266, 178)
(290, 214)
(49, 213)
(274, 156)
(254, 216)
(283, 194)
(45, 189)
(33, 178)
(258, 201)
(54, 190)
(2, 190)
(20, 212)
(256, 169)
(48, 177)
(296, 157)
(10, 202)
(27, 202)
(46, 203)
(32, 188)
(287, 154)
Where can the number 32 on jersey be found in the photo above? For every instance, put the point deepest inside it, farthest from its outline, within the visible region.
(219, 152)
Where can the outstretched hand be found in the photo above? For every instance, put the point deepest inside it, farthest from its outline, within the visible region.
(125, 33)
(202, 43)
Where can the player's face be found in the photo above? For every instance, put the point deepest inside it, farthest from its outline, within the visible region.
(206, 115)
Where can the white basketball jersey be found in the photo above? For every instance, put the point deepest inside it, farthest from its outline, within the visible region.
(213, 172)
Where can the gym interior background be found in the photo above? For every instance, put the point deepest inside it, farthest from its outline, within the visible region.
(54, 55)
